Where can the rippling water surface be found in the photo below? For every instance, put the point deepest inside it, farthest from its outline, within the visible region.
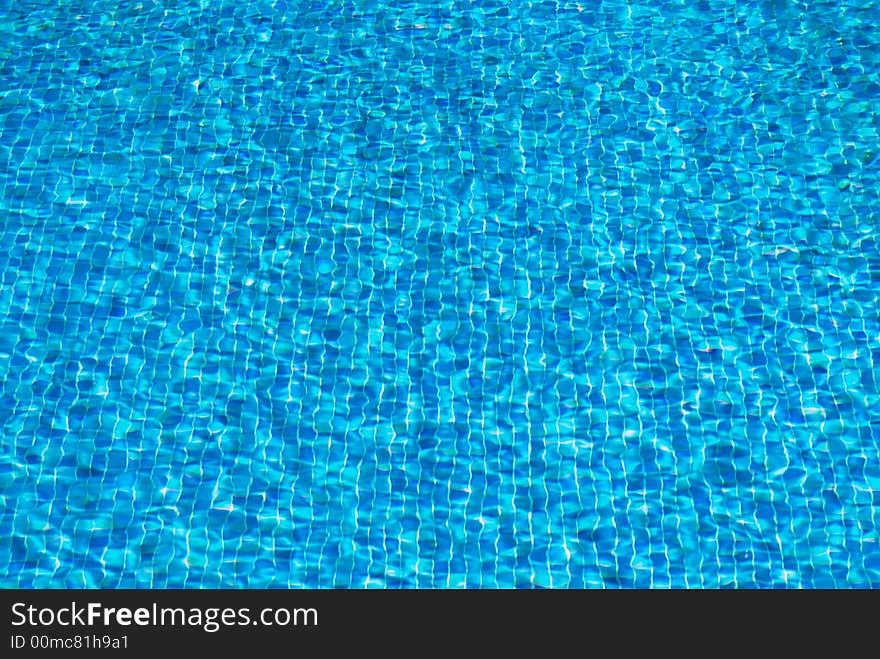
(440, 294)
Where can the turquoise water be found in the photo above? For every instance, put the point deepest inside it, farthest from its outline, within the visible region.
(440, 294)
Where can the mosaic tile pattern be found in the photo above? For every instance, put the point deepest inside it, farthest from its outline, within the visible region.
(440, 294)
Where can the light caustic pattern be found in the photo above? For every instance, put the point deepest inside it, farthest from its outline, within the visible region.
(440, 294)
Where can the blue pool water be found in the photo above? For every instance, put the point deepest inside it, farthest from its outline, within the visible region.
(440, 294)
